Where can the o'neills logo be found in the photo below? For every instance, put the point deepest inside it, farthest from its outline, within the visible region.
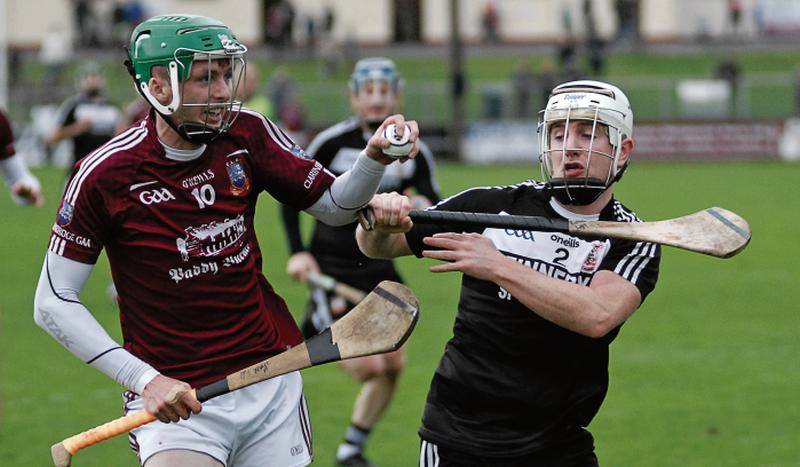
(212, 239)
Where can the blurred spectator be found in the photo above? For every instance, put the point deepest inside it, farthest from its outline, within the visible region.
(490, 22)
(797, 91)
(23, 186)
(54, 53)
(406, 21)
(566, 20)
(522, 83)
(568, 61)
(125, 16)
(627, 19)
(14, 65)
(758, 16)
(595, 45)
(279, 27)
(311, 33)
(87, 118)
(329, 21)
(545, 81)
(86, 24)
(735, 15)
(728, 69)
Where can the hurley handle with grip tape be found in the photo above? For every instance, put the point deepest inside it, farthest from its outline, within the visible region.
(380, 323)
(470, 219)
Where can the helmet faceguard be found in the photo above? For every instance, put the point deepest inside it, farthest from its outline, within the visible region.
(176, 42)
(377, 70)
(607, 109)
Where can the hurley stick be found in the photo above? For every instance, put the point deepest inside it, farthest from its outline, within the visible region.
(713, 231)
(326, 282)
(378, 324)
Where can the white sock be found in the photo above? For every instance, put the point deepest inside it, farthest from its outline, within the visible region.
(346, 450)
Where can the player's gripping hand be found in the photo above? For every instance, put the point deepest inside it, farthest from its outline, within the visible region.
(300, 265)
(378, 142)
(28, 193)
(390, 213)
(169, 399)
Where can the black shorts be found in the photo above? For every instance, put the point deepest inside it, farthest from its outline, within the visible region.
(432, 455)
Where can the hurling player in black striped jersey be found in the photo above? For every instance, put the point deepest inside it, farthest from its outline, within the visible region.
(374, 94)
(527, 367)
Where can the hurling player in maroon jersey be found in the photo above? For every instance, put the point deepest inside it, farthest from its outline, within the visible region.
(24, 186)
(172, 201)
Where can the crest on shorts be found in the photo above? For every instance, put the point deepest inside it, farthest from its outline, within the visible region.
(65, 214)
(239, 181)
(593, 259)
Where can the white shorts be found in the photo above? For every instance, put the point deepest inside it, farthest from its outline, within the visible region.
(263, 425)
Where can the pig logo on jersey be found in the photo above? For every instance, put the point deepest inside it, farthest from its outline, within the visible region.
(65, 214)
(212, 239)
(592, 260)
(239, 181)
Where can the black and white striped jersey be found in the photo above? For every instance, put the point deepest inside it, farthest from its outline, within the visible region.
(335, 248)
(510, 382)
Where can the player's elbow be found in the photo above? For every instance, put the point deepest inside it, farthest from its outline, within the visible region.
(43, 307)
(599, 323)
(48, 306)
(596, 332)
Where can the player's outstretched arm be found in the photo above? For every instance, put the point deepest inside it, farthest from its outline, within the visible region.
(59, 311)
(24, 186)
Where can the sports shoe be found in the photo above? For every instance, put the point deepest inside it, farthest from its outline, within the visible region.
(356, 460)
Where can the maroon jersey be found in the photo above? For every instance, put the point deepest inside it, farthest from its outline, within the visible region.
(180, 240)
(6, 137)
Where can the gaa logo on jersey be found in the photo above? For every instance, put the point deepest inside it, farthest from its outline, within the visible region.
(65, 214)
(239, 181)
(297, 151)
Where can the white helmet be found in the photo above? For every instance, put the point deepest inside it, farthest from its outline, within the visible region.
(374, 68)
(597, 102)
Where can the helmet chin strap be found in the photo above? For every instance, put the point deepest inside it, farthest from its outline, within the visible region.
(192, 132)
(196, 133)
(576, 192)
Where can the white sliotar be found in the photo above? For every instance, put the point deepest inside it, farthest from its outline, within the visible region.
(400, 145)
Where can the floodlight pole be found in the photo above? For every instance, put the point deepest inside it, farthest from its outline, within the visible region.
(457, 83)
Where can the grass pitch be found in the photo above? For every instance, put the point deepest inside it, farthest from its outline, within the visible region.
(705, 373)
